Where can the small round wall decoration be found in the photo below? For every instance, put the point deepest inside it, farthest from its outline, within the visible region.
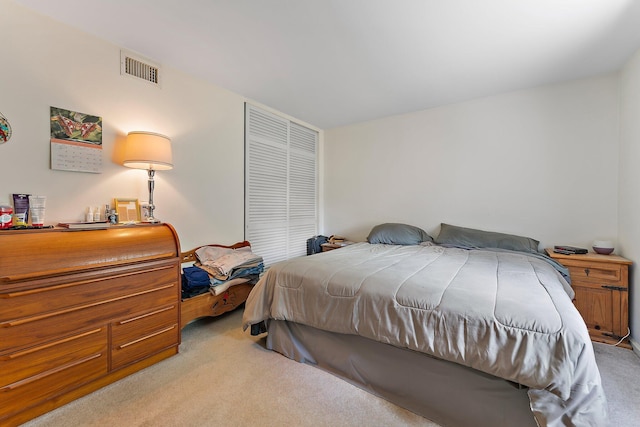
(5, 129)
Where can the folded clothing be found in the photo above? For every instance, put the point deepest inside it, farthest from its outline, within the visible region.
(222, 263)
(250, 271)
(194, 277)
(217, 269)
(217, 290)
(186, 294)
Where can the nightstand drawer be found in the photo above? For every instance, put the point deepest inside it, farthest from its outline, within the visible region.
(595, 273)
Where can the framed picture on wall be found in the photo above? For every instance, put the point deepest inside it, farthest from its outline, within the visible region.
(128, 210)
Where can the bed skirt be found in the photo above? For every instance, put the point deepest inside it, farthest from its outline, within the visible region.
(443, 392)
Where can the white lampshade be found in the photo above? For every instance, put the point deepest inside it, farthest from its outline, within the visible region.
(148, 150)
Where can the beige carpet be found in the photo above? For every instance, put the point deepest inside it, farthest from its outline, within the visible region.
(224, 377)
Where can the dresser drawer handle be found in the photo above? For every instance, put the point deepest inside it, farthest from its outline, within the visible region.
(587, 271)
(142, 316)
(146, 337)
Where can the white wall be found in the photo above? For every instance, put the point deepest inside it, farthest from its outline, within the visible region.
(629, 201)
(46, 63)
(541, 163)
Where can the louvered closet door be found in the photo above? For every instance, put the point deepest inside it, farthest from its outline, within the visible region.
(303, 188)
(280, 185)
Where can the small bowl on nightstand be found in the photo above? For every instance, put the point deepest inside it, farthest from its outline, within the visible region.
(603, 247)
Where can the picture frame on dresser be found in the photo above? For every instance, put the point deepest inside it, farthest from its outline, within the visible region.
(128, 210)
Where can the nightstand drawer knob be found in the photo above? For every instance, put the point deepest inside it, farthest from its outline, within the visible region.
(586, 271)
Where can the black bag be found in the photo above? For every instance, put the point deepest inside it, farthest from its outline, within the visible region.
(314, 244)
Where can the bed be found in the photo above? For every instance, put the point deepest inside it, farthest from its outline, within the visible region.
(461, 334)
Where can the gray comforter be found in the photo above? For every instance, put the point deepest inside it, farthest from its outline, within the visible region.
(503, 313)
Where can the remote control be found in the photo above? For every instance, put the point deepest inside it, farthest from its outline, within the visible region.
(564, 252)
(571, 249)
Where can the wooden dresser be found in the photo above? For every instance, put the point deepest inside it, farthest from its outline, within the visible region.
(80, 309)
(601, 284)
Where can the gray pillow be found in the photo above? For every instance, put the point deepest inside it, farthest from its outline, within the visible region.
(469, 237)
(398, 234)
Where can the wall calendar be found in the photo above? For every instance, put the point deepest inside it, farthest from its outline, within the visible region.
(76, 141)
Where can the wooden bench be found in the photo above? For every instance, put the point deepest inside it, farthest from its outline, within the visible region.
(208, 304)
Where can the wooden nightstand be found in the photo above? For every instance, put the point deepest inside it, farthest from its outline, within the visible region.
(601, 284)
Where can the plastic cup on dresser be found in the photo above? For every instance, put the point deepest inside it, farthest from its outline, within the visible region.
(37, 206)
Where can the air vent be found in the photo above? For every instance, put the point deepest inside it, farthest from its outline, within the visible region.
(136, 66)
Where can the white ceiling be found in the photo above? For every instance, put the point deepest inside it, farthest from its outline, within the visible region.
(336, 62)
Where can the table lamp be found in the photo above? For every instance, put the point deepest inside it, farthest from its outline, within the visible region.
(150, 151)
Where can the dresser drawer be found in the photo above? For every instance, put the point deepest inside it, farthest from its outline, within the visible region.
(50, 378)
(143, 347)
(78, 294)
(37, 360)
(37, 329)
(143, 334)
(131, 328)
